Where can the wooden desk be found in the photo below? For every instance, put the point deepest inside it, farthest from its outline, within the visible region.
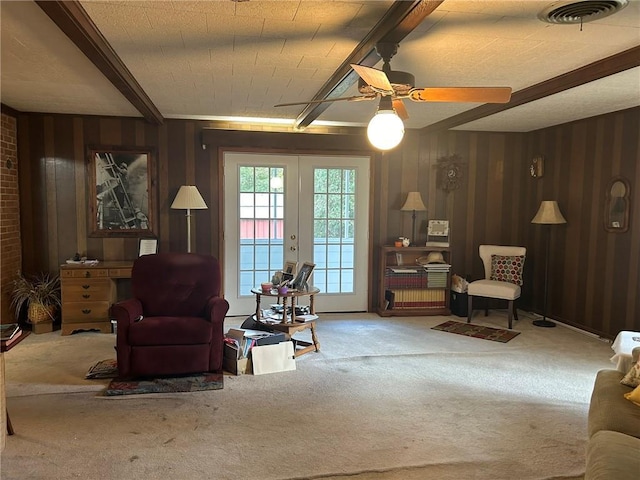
(88, 291)
(290, 325)
(5, 346)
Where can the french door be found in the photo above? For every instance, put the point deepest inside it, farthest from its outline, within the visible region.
(299, 208)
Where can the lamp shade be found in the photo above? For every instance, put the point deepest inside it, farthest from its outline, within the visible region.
(549, 214)
(188, 197)
(414, 202)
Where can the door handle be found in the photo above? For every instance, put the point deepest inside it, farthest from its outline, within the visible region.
(86, 295)
(292, 248)
(86, 311)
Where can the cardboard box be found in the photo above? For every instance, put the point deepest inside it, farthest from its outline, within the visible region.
(259, 336)
(274, 358)
(233, 362)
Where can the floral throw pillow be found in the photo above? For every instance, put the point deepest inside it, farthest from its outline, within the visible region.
(632, 378)
(506, 268)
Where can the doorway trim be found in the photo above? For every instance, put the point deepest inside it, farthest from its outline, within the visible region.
(221, 150)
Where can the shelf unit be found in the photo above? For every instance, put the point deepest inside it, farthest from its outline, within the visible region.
(418, 292)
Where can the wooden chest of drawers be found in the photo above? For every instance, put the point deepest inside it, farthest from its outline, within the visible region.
(87, 294)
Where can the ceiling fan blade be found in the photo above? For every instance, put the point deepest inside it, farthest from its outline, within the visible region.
(401, 110)
(462, 94)
(374, 77)
(356, 98)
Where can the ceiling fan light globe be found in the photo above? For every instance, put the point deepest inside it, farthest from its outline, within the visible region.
(385, 130)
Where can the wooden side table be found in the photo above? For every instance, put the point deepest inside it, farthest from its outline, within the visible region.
(290, 328)
(291, 325)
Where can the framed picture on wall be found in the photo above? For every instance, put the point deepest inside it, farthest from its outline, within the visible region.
(121, 191)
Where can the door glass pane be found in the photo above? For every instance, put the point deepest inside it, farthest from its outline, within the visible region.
(333, 229)
(260, 225)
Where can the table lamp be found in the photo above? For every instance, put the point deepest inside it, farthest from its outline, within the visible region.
(414, 204)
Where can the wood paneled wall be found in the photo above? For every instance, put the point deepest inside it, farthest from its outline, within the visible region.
(594, 278)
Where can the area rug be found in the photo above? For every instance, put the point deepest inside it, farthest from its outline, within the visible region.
(103, 369)
(186, 383)
(477, 331)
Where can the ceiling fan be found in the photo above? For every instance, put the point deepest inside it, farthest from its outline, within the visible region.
(396, 86)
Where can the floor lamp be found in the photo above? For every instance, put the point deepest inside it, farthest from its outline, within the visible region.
(413, 204)
(188, 198)
(548, 214)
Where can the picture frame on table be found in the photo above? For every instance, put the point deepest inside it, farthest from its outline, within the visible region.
(148, 246)
(301, 282)
(122, 196)
(290, 267)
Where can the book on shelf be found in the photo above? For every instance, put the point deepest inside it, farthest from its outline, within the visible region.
(418, 298)
(404, 270)
(9, 331)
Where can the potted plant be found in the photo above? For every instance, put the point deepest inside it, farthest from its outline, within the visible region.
(41, 295)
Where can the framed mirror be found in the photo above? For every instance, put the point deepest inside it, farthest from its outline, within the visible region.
(121, 191)
(617, 204)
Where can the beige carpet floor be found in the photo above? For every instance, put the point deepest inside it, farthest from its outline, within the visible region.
(386, 398)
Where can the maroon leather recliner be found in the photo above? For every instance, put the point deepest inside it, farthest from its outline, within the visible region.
(174, 323)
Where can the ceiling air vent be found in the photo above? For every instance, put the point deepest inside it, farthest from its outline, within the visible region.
(580, 11)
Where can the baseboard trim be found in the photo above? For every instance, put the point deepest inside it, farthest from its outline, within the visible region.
(535, 316)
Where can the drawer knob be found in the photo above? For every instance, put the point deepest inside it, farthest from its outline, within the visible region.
(86, 311)
(87, 274)
(86, 295)
(85, 286)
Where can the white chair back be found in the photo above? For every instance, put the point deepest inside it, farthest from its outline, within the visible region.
(487, 250)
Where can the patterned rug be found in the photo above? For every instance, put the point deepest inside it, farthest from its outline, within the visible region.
(103, 369)
(183, 383)
(477, 331)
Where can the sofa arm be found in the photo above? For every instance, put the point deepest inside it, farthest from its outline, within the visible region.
(608, 409)
(612, 455)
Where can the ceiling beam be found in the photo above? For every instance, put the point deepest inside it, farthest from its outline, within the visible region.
(400, 20)
(76, 24)
(594, 71)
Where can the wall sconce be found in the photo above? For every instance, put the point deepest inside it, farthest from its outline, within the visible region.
(536, 167)
(385, 130)
(188, 198)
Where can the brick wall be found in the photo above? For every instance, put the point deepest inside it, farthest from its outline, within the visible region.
(10, 250)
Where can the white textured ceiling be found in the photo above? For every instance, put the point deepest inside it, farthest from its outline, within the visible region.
(214, 59)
